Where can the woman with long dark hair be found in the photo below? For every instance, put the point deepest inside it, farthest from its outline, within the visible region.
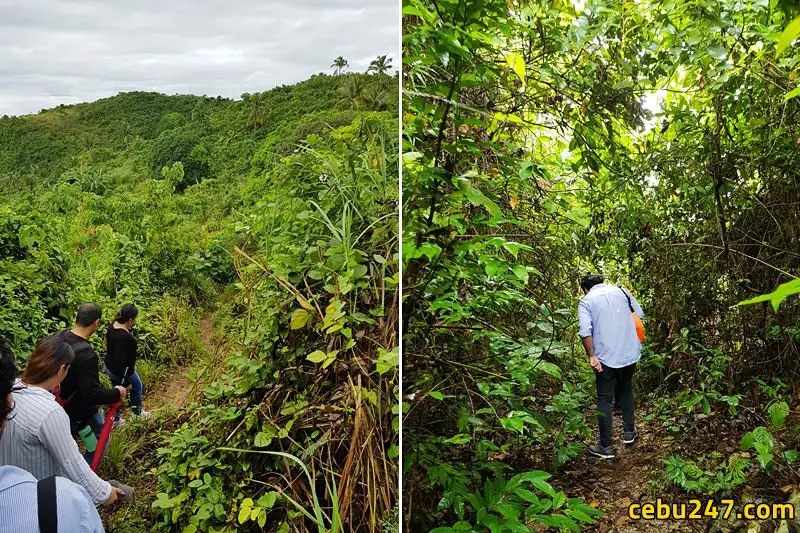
(24, 500)
(37, 435)
(120, 363)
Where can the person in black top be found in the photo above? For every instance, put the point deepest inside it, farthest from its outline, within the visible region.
(81, 389)
(120, 364)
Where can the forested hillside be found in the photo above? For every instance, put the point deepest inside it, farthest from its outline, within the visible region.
(258, 237)
(655, 142)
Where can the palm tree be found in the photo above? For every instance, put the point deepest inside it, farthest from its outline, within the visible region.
(256, 115)
(374, 99)
(380, 65)
(339, 63)
(352, 92)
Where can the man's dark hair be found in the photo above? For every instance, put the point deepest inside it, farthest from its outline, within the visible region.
(590, 280)
(88, 314)
(8, 374)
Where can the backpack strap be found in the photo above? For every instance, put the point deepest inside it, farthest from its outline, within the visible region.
(630, 306)
(47, 505)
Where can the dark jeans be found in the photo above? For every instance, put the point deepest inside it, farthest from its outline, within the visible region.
(136, 390)
(608, 381)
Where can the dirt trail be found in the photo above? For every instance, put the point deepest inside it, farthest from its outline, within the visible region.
(612, 485)
(175, 391)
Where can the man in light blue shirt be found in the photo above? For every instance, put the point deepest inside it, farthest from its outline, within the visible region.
(19, 502)
(609, 337)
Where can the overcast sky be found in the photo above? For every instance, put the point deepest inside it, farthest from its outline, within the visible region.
(66, 51)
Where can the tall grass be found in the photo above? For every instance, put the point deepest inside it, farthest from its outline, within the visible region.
(320, 518)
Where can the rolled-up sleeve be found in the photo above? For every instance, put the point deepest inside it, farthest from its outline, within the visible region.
(57, 439)
(584, 319)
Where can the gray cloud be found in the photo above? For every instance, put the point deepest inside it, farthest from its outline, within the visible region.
(67, 51)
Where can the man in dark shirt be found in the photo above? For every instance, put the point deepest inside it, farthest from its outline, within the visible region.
(81, 389)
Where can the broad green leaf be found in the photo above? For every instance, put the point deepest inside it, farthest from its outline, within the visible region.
(549, 368)
(428, 249)
(579, 515)
(558, 500)
(791, 456)
(477, 198)
(558, 521)
(763, 454)
(512, 423)
(436, 395)
(330, 357)
(777, 413)
(717, 52)
(521, 272)
(387, 360)
(792, 94)
(508, 510)
(299, 318)
(777, 296)
(316, 356)
(748, 439)
(787, 36)
(244, 514)
(393, 452)
(527, 476)
(579, 216)
(544, 486)
(268, 500)
(517, 64)
(262, 440)
(515, 247)
(492, 266)
(461, 438)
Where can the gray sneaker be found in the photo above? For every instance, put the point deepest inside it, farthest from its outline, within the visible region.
(628, 437)
(604, 452)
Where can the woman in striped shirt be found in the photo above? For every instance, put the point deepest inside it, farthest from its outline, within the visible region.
(37, 437)
(22, 508)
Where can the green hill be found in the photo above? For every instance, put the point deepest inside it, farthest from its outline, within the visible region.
(276, 214)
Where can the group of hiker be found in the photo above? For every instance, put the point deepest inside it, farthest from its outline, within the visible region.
(54, 401)
(57, 396)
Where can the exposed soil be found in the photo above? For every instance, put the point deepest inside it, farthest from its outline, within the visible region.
(611, 485)
(176, 390)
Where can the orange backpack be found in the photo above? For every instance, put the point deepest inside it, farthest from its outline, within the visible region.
(636, 320)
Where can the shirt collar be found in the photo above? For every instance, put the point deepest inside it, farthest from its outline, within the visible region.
(28, 389)
(596, 286)
(11, 475)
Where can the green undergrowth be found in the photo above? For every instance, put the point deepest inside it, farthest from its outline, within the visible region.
(655, 144)
(277, 213)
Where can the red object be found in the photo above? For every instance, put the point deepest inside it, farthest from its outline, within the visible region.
(104, 435)
(57, 394)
